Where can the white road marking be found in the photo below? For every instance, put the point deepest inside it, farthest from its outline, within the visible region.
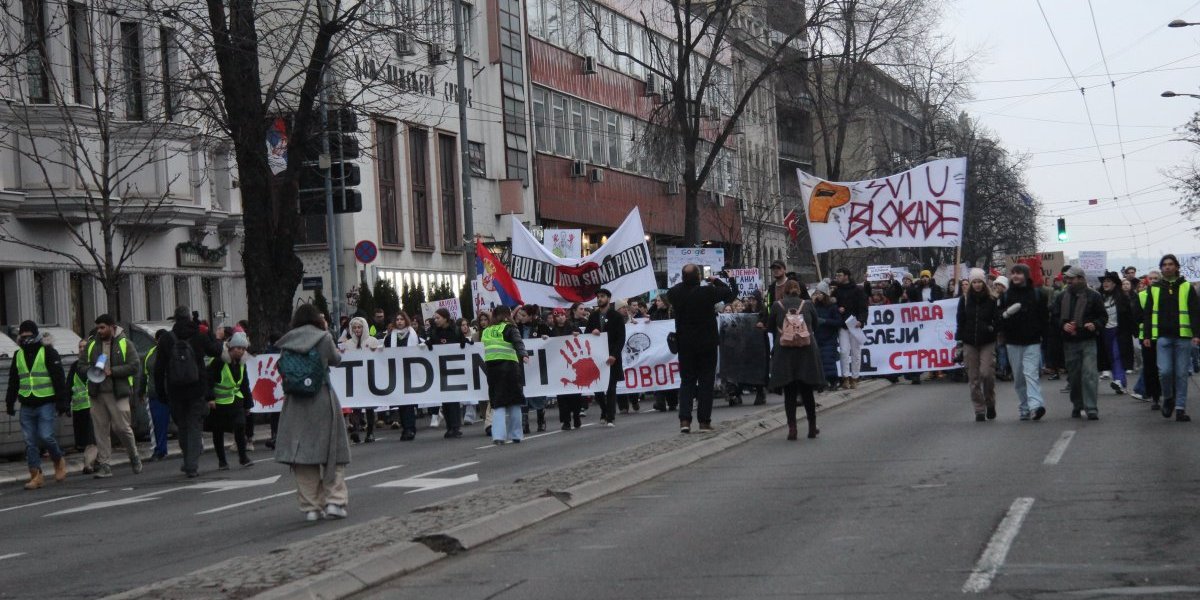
(51, 500)
(13, 555)
(1135, 591)
(235, 484)
(424, 482)
(287, 493)
(114, 503)
(997, 549)
(533, 437)
(375, 472)
(1059, 448)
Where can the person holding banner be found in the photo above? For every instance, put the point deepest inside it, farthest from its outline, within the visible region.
(568, 404)
(605, 319)
(1080, 315)
(697, 341)
(1024, 319)
(358, 337)
(503, 353)
(444, 331)
(852, 305)
(530, 325)
(796, 369)
(978, 317)
(402, 334)
(1171, 313)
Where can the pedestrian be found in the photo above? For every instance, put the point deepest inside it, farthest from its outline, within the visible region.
(605, 319)
(36, 380)
(111, 353)
(852, 306)
(829, 323)
(1023, 323)
(503, 354)
(697, 342)
(379, 324)
(664, 400)
(403, 335)
(796, 369)
(1116, 341)
(568, 404)
(978, 317)
(360, 338)
(1172, 309)
(445, 332)
(180, 373)
(925, 289)
(1148, 385)
(160, 412)
(469, 336)
(1079, 314)
(81, 412)
(227, 400)
(778, 279)
(529, 323)
(1053, 356)
(754, 306)
(272, 348)
(312, 437)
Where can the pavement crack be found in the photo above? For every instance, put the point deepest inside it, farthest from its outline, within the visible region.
(442, 543)
(564, 497)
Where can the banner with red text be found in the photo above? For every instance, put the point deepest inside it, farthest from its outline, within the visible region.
(921, 207)
(908, 338)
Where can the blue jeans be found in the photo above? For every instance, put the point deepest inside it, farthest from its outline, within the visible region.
(1174, 360)
(37, 425)
(506, 423)
(1026, 365)
(160, 417)
(1111, 341)
(1002, 359)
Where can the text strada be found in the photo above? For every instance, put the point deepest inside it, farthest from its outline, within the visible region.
(907, 338)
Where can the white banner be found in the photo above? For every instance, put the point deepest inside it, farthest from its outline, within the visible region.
(748, 281)
(648, 362)
(623, 266)
(417, 375)
(483, 298)
(906, 338)
(1094, 263)
(564, 243)
(944, 276)
(921, 207)
(450, 304)
(878, 272)
(1189, 267)
(702, 257)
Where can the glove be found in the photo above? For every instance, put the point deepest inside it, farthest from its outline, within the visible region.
(12, 411)
(462, 344)
(1012, 310)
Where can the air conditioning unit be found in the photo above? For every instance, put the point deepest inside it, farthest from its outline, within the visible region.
(578, 168)
(652, 85)
(596, 176)
(589, 65)
(672, 188)
(437, 55)
(404, 45)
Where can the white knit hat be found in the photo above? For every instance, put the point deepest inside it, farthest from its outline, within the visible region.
(977, 274)
(1002, 280)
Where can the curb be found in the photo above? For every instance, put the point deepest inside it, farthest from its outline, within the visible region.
(401, 558)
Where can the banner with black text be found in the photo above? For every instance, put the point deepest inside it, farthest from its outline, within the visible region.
(910, 338)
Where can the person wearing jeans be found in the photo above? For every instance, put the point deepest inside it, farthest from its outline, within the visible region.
(1118, 333)
(37, 380)
(1172, 312)
(696, 339)
(1024, 318)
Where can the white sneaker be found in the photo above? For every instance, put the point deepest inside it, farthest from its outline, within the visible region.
(334, 511)
(1105, 375)
(312, 515)
(1135, 396)
(469, 416)
(609, 424)
(434, 421)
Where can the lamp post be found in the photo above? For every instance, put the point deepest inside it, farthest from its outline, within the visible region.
(1180, 23)
(1169, 94)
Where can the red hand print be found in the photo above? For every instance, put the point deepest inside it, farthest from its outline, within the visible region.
(580, 359)
(267, 390)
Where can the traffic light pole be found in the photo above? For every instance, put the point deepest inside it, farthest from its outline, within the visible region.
(464, 144)
(325, 163)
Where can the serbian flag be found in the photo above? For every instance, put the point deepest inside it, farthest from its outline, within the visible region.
(494, 277)
(792, 222)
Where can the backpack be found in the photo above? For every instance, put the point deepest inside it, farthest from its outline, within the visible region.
(794, 333)
(182, 369)
(303, 373)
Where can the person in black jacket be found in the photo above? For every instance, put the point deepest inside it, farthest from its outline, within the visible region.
(696, 338)
(1116, 340)
(1024, 319)
(445, 332)
(852, 302)
(606, 319)
(403, 335)
(568, 404)
(187, 401)
(228, 397)
(1079, 314)
(978, 317)
(36, 377)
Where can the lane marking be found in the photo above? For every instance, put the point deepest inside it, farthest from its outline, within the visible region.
(997, 549)
(13, 555)
(375, 472)
(287, 493)
(3, 510)
(1059, 448)
(534, 437)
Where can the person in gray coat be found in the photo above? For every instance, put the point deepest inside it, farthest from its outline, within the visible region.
(797, 370)
(312, 435)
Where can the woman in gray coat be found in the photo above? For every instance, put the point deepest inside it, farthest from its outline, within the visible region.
(797, 370)
(312, 435)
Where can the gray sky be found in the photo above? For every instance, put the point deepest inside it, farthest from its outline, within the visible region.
(1049, 121)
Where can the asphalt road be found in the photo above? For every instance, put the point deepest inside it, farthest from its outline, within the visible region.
(902, 496)
(86, 538)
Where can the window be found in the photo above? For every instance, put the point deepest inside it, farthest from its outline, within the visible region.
(478, 163)
(570, 25)
(448, 169)
(579, 129)
(553, 22)
(468, 24)
(596, 133)
(37, 59)
(627, 143)
(391, 232)
(620, 41)
(537, 21)
(81, 53)
(131, 63)
(613, 135)
(606, 36)
(153, 289)
(169, 56)
(418, 158)
(182, 296)
(562, 133)
(636, 67)
(541, 125)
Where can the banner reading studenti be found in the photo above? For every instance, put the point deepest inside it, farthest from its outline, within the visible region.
(418, 375)
(623, 266)
(908, 338)
(921, 207)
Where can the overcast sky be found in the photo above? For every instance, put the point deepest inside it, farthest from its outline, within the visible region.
(1048, 120)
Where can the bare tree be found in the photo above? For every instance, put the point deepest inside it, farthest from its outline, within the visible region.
(1186, 178)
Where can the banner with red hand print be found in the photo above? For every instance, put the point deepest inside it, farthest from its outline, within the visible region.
(418, 375)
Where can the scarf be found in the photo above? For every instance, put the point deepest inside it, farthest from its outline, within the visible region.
(1080, 305)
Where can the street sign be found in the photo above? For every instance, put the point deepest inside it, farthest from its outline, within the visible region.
(312, 283)
(366, 252)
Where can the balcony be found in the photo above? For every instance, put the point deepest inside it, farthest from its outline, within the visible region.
(794, 151)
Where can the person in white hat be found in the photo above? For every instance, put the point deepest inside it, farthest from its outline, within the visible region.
(228, 399)
(1003, 370)
(978, 316)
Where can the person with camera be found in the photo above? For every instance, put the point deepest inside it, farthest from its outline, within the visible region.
(697, 341)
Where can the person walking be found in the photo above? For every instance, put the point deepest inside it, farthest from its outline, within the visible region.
(312, 436)
(445, 332)
(160, 412)
(36, 380)
(530, 325)
(978, 317)
(180, 374)
(81, 412)
(227, 400)
(1024, 319)
(605, 319)
(359, 338)
(852, 306)
(568, 404)
(829, 322)
(403, 335)
(111, 352)
(1079, 314)
(1148, 386)
(503, 355)
(664, 400)
(778, 279)
(796, 368)
(697, 342)
(1172, 309)
(1116, 341)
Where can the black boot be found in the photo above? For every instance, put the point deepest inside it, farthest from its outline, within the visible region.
(525, 423)
(541, 420)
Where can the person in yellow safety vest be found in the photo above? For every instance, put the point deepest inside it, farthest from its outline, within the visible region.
(503, 353)
(379, 326)
(112, 395)
(1171, 316)
(81, 412)
(1148, 386)
(228, 399)
(160, 411)
(36, 379)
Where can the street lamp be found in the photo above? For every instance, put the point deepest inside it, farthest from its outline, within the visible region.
(1169, 94)
(1180, 23)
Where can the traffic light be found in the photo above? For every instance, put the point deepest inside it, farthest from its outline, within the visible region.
(1062, 229)
(344, 174)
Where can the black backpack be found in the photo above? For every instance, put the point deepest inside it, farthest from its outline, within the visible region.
(182, 369)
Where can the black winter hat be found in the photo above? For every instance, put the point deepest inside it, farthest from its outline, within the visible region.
(28, 327)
